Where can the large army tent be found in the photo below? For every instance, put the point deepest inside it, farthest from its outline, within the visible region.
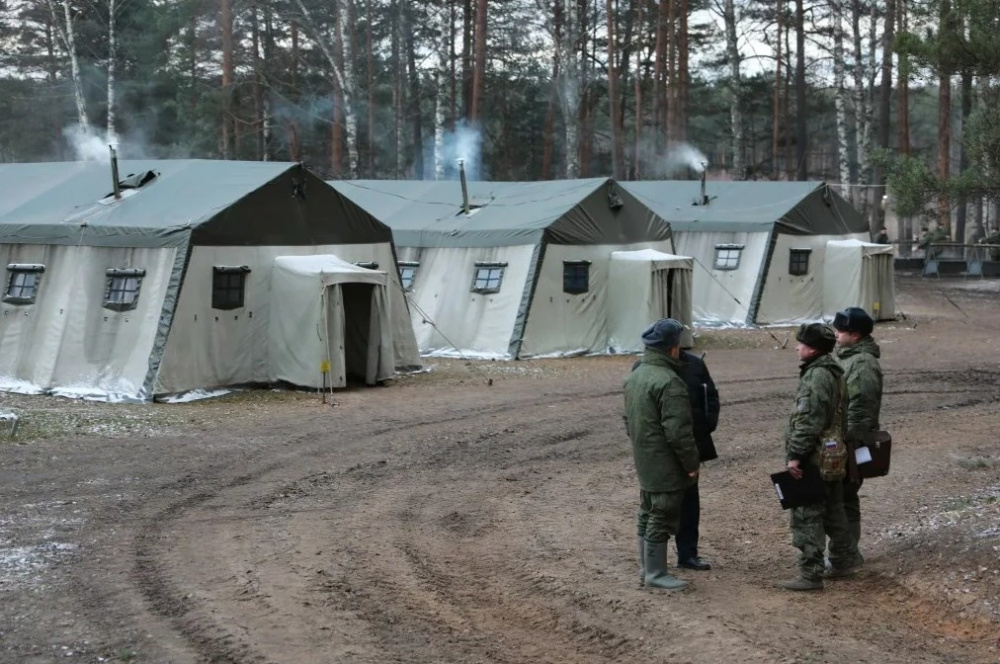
(168, 286)
(759, 248)
(527, 271)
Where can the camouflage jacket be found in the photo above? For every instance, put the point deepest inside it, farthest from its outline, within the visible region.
(864, 385)
(817, 403)
(658, 421)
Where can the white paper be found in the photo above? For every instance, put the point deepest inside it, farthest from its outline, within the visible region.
(862, 455)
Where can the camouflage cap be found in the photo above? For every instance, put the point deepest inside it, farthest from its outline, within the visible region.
(818, 336)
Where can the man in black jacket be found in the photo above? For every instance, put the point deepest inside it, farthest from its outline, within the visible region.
(705, 418)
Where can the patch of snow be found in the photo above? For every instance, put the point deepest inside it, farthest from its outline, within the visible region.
(18, 386)
(193, 395)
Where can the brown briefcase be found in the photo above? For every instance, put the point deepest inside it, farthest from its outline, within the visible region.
(880, 446)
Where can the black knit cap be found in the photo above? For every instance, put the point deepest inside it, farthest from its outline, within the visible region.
(818, 336)
(854, 319)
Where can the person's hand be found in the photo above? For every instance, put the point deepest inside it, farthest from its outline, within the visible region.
(794, 470)
(693, 474)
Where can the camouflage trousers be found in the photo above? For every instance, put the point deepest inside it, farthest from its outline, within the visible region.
(659, 515)
(852, 509)
(811, 526)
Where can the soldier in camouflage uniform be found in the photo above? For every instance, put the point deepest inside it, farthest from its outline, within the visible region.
(992, 238)
(818, 417)
(658, 421)
(930, 238)
(859, 356)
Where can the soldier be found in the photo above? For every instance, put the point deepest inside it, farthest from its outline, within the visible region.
(993, 238)
(815, 436)
(859, 356)
(658, 421)
(883, 236)
(931, 238)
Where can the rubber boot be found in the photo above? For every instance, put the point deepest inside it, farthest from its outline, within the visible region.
(855, 527)
(656, 568)
(642, 559)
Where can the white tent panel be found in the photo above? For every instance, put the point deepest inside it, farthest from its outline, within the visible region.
(478, 324)
(561, 323)
(788, 298)
(644, 286)
(722, 295)
(324, 309)
(859, 274)
(211, 348)
(68, 339)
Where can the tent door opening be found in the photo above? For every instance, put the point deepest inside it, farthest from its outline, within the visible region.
(352, 321)
(663, 293)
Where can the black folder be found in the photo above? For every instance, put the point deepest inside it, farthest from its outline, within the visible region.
(802, 492)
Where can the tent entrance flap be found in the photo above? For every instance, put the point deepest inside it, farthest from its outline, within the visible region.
(644, 286)
(357, 329)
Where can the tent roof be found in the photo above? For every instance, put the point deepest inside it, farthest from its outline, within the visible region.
(430, 213)
(70, 203)
(800, 208)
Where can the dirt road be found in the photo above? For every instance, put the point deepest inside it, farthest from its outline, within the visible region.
(443, 519)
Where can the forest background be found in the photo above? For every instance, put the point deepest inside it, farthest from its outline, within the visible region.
(896, 101)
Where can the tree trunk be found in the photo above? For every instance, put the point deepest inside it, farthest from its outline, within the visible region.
(840, 94)
(639, 76)
(659, 77)
(683, 75)
(68, 36)
(801, 119)
(226, 25)
(258, 85)
(267, 118)
(468, 29)
(479, 65)
(617, 146)
(790, 165)
(347, 84)
(944, 147)
(884, 106)
(370, 59)
(776, 128)
(452, 66)
(963, 161)
(861, 116)
(739, 167)
(569, 83)
(414, 78)
(548, 145)
(903, 103)
(294, 147)
(398, 74)
(671, 124)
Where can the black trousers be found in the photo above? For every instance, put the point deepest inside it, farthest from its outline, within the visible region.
(687, 532)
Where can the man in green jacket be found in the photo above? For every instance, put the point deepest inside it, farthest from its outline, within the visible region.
(658, 421)
(859, 356)
(816, 423)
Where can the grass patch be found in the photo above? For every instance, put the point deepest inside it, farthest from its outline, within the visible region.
(977, 463)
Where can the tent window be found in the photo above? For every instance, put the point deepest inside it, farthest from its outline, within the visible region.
(798, 262)
(407, 273)
(22, 285)
(122, 291)
(576, 277)
(488, 277)
(229, 286)
(727, 256)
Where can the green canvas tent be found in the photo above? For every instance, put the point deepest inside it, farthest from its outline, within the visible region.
(524, 269)
(166, 287)
(759, 248)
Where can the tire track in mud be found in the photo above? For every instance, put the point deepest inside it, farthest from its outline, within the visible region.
(168, 599)
(216, 643)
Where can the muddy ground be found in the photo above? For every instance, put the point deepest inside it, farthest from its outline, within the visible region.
(446, 519)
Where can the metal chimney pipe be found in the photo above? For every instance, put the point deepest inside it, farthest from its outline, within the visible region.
(114, 172)
(704, 196)
(465, 187)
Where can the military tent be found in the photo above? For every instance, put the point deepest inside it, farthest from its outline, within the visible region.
(759, 248)
(863, 273)
(167, 286)
(524, 269)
